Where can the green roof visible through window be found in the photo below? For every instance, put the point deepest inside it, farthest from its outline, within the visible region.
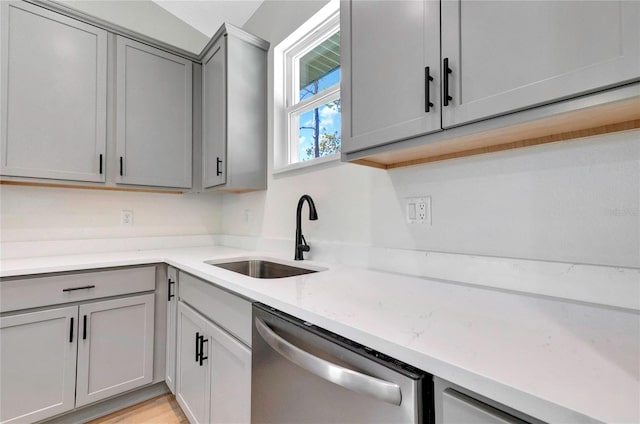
(322, 60)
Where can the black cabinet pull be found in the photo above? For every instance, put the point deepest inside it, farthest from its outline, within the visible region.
(218, 163)
(71, 331)
(170, 295)
(202, 342)
(427, 96)
(121, 166)
(84, 327)
(445, 82)
(100, 163)
(197, 346)
(78, 288)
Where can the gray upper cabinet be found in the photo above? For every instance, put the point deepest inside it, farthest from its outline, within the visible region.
(507, 56)
(234, 113)
(390, 75)
(431, 80)
(53, 95)
(214, 105)
(153, 116)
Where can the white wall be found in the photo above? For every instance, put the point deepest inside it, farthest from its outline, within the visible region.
(35, 213)
(573, 201)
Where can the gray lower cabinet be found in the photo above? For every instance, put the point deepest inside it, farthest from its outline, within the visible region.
(53, 77)
(153, 116)
(109, 343)
(213, 368)
(172, 320)
(115, 347)
(457, 405)
(37, 364)
(193, 377)
(54, 358)
(234, 112)
(214, 372)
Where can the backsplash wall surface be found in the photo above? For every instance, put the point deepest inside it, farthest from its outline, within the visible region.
(35, 213)
(575, 201)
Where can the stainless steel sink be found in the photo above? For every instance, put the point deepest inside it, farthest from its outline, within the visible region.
(262, 268)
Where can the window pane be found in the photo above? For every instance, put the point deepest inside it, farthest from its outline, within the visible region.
(319, 131)
(320, 68)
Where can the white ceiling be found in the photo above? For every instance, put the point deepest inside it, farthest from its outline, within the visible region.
(207, 15)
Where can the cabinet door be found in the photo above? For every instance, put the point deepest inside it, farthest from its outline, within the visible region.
(53, 98)
(214, 116)
(154, 111)
(115, 347)
(230, 378)
(506, 56)
(386, 49)
(37, 364)
(172, 317)
(192, 374)
(460, 409)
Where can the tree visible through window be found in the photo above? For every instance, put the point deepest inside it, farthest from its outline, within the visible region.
(320, 128)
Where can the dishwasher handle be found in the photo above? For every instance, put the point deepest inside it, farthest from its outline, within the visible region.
(349, 379)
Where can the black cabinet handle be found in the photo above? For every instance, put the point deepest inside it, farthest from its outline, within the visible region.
(71, 331)
(121, 166)
(84, 327)
(427, 96)
(170, 295)
(218, 163)
(78, 288)
(445, 82)
(202, 342)
(197, 346)
(100, 163)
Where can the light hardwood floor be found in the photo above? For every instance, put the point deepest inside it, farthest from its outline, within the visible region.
(160, 410)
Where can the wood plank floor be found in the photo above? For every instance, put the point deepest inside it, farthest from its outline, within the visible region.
(160, 410)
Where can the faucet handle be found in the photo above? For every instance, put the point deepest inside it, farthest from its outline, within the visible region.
(304, 246)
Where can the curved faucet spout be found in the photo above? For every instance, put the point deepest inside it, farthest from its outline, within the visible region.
(301, 243)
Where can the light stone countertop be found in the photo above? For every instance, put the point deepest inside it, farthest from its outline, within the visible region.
(556, 360)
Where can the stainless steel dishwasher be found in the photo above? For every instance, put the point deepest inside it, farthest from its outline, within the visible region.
(304, 374)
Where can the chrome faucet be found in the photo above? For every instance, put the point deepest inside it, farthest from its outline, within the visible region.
(301, 243)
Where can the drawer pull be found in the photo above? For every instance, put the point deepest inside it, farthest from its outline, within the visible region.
(427, 96)
(218, 163)
(446, 98)
(202, 342)
(197, 346)
(170, 295)
(71, 331)
(79, 288)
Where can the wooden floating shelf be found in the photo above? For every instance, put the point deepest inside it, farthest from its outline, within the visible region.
(597, 120)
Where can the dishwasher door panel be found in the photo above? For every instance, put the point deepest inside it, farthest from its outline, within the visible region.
(285, 392)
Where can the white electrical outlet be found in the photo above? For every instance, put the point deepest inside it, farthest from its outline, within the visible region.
(126, 217)
(418, 210)
(422, 210)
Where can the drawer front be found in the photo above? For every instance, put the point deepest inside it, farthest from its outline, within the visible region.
(228, 311)
(23, 293)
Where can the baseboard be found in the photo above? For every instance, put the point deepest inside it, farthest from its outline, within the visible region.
(108, 406)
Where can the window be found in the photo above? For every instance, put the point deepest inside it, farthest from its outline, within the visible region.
(310, 111)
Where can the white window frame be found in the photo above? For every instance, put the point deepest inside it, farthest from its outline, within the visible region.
(287, 106)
